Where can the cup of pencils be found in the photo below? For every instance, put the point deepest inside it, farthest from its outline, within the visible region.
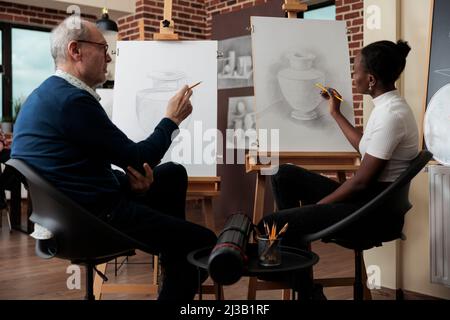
(269, 251)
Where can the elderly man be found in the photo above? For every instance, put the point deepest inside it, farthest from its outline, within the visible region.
(64, 133)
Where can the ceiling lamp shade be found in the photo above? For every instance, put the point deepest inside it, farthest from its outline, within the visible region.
(105, 23)
(110, 31)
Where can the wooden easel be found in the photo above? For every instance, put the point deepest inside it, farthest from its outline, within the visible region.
(199, 188)
(204, 189)
(166, 26)
(293, 7)
(339, 163)
(325, 162)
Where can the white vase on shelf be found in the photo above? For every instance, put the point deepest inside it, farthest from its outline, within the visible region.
(297, 83)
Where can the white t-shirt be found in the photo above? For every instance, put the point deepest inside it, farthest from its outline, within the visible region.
(391, 134)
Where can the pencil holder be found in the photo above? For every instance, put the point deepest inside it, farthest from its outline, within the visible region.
(269, 252)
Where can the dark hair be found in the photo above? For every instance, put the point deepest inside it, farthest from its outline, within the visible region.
(386, 60)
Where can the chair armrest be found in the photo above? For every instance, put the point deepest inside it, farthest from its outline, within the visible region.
(339, 226)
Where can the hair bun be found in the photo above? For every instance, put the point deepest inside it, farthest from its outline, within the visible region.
(404, 48)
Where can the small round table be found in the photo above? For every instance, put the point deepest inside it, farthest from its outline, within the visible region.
(292, 259)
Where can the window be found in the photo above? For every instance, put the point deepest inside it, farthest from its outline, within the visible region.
(3, 68)
(32, 63)
(325, 13)
(322, 11)
(26, 63)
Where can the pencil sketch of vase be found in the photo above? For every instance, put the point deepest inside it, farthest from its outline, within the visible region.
(297, 85)
(151, 103)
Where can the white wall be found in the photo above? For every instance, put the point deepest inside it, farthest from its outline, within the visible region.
(411, 258)
(381, 23)
(416, 22)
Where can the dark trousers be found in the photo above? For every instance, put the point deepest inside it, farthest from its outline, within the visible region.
(294, 186)
(157, 219)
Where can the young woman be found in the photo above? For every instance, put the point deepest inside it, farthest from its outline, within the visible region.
(389, 143)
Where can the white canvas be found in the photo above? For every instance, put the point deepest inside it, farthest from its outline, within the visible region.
(290, 56)
(148, 73)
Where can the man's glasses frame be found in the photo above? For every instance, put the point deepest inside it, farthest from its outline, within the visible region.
(105, 45)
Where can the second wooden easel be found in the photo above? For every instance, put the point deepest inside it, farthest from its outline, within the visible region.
(339, 163)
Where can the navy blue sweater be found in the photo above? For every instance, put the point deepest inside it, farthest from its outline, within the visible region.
(64, 133)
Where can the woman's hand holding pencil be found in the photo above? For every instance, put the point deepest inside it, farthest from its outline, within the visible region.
(330, 92)
(333, 97)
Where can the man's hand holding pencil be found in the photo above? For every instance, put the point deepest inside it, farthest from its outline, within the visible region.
(180, 107)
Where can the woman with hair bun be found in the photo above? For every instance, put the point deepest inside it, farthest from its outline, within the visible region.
(389, 143)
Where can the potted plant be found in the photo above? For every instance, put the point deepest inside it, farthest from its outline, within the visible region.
(17, 104)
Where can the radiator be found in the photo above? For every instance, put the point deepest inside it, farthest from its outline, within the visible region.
(439, 180)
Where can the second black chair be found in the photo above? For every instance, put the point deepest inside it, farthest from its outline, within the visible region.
(356, 234)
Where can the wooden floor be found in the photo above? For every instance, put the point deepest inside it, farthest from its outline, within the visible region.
(23, 275)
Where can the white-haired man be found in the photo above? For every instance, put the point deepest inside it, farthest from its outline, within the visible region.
(64, 133)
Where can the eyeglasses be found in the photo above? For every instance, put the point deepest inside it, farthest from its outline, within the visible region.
(105, 45)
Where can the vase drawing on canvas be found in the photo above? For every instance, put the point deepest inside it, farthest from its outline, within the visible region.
(297, 85)
(151, 103)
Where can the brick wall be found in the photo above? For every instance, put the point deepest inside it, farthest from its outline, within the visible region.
(352, 12)
(192, 17)
(189, 17)
(32, 15)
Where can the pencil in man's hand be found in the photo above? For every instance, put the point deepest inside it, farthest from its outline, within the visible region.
(330, 93)
(193, 86)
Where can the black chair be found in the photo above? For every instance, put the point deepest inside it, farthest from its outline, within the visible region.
(78, 235)
(358, 232)
(4, 206)
(4, 156)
